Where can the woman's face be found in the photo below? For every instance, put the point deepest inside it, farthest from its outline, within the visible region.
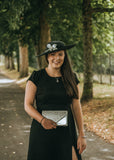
(56, 59)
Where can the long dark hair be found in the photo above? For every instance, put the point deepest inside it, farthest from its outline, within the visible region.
(68, 77)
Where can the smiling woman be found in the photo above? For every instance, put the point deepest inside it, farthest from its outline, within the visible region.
(55, 89)
(55, 59)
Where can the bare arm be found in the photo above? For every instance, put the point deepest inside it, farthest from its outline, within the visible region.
(30, 92)
(81, 142)
(78, 115)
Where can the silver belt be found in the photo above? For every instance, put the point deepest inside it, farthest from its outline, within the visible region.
(58, 116)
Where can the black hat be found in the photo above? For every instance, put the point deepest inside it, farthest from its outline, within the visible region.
(55, 46)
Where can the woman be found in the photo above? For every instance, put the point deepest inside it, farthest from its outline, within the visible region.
(55, 88)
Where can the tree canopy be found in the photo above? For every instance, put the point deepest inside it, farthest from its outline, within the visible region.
(88, 24)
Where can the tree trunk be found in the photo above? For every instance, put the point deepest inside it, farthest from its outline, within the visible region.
(7, 62)
(17, 59)
(101, 81)
(101, 71)
(87, 44)
(23, 59)
(11, 60)
(110, 68)
(38, 60)
(44, 38)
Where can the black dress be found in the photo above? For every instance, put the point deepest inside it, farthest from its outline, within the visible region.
(53, 144)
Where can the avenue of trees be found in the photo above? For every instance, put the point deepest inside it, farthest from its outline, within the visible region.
(27, 25)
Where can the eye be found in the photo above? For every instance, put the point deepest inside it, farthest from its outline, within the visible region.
(60, 54)
(52, 54)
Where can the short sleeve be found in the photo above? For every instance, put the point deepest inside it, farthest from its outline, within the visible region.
(76, 78)
(34, 77)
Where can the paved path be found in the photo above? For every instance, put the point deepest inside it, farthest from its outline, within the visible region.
(15, 126)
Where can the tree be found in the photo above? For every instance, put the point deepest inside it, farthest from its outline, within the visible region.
(88, 10)
(44, 34)
(43, 21)
(23, 51)
(12, 11)
(40, 21)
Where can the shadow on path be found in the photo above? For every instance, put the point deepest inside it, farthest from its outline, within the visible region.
(15, 126)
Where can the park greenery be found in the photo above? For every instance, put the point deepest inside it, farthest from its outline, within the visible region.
(27, 26)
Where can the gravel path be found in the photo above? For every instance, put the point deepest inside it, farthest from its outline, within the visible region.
(15, 126)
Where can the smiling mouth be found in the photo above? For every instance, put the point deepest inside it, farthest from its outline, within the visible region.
(56, 62)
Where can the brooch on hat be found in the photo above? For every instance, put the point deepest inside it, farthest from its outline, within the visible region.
(52, 47)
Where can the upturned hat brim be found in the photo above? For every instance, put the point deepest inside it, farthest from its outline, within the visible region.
(51, 50)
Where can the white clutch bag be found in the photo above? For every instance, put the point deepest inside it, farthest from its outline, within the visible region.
(60, 117)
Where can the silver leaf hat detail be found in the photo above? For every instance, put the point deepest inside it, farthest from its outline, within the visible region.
(55, 46)
(52, 47)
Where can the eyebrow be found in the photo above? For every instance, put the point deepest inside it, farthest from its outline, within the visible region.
(56, 52)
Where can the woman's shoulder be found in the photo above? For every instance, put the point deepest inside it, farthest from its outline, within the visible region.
(36, 76)
(38, 73)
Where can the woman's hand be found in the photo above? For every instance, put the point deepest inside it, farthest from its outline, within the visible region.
(81, 144)
(48, 124)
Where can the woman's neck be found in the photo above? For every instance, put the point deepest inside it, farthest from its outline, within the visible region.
(53, 71)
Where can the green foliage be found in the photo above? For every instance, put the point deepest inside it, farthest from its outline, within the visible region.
(102, 41)
(102, 3)
(20, 21)
(65, 19)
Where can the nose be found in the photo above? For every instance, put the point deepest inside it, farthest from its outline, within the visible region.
(57, 57)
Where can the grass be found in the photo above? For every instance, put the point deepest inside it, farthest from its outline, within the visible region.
(98, 113)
